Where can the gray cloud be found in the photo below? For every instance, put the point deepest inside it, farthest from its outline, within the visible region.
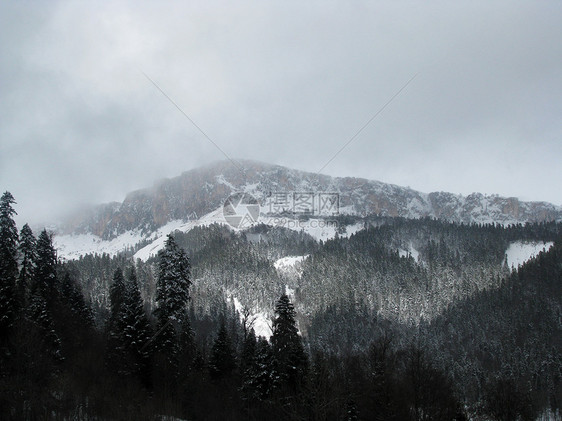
(285, 83)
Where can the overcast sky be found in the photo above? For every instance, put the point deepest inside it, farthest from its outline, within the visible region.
(282, 82)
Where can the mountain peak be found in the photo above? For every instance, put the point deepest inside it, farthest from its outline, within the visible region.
(202, 190)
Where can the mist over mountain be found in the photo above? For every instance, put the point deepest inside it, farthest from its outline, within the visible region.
(200, 191)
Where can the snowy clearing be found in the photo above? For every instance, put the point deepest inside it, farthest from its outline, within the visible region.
(519, 252)
(261, 321)
(160, 236)
(290, 265)
(71, 247)
(411, 251)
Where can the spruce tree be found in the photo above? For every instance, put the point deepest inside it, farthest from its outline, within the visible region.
(187, 349)
(291, 359)
(248, 351)
(172, 286)
(172, 294)
(74, 299)
(28, 256)
(261, 377)
(8, 263)
(40, 316)
(136, 329)
(222, 362)
(116, 295)
(45, 276)
(115, 353)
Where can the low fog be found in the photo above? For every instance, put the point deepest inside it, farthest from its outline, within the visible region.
(281, 82)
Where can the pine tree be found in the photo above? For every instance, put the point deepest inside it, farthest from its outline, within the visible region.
(8, 263)
(40, 316)
(115, 353)
(172, 294)
(172, 286)
(248, 351)
(222, 362)
(187, 350)
(136, 329)
(116, 295)
(74, 299)
(291, 359)
(45, 276)
(261, 377)
(28, 255)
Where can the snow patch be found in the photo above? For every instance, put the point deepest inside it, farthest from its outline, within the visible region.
(290, 265)
(519, 252)
(160, 236)
(71, 247)
(221, 180)
(251, 188)
(261, 321)
(411, 251)
(353, 229)
(290, 293)
(347, 210)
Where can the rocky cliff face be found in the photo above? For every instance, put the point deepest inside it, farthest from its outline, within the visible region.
(202, 190)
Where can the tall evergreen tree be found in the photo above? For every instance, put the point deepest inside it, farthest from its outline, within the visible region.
(115, 353)
(28, 256)
(187, 349)
(74, 299)
(136, 329)
(172, 294)
(248, 353)
(8, 262)
(45, 276)
(116, 295)
(172, 287)
(40, 316)
(222, 361)
(261, 377)
(291, 359)
(128, 329)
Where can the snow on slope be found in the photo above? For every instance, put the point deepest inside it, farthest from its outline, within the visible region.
(411, 251)
(73, 246)
(160, 236)
(317, 228)
(290, 265)
(261, 321)
(519, 252)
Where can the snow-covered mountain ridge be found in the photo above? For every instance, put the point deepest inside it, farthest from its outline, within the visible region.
(197, 197)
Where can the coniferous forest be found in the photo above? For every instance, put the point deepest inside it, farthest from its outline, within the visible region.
(361, 332)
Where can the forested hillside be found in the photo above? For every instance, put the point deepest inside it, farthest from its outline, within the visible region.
(406, 320)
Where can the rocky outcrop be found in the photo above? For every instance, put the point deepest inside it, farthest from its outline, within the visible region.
(202, 190)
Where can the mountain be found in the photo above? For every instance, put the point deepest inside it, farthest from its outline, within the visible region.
(388, 298)
(197, 197)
